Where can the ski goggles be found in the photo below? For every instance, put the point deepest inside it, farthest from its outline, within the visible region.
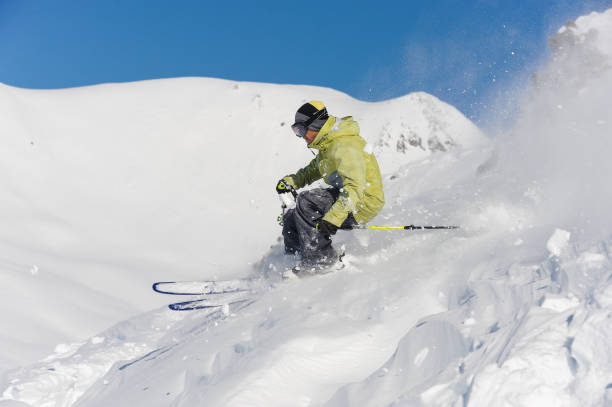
(300, 128)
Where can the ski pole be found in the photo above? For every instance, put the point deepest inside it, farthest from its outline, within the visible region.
(408, 227)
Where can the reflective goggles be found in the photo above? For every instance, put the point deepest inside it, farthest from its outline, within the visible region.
(300, 128)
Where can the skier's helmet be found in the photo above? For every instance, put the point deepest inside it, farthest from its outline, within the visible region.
(311, 115)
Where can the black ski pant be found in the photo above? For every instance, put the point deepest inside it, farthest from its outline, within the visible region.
(299, 225)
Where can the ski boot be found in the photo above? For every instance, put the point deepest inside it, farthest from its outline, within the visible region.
(322, 265)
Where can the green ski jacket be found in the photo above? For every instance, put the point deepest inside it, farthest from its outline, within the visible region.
(344, 164)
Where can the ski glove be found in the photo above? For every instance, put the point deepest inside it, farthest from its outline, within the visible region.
(282, 187)
(325, 228)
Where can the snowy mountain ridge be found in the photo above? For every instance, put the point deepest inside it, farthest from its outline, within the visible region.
(512, 309)
(156, 180)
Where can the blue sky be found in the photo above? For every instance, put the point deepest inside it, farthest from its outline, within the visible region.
(467, 53)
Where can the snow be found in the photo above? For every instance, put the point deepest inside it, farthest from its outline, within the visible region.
(596, 25)
(558, 242)
(128, 184)
(107, 189)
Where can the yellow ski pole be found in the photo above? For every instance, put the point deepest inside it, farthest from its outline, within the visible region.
(408, 227)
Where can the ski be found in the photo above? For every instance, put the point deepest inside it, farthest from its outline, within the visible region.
(205, 303)
(201, 287)
(215, 294)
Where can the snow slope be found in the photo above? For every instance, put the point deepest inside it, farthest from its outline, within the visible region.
(513, 309)
(106, 189)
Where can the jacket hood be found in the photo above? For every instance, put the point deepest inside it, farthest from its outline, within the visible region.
(334, 128)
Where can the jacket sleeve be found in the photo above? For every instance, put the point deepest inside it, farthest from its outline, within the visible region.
(306, 175)
(352, 169)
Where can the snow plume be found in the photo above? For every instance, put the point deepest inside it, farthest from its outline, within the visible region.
(558, 152)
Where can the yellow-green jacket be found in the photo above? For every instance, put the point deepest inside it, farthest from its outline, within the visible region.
(343, 163)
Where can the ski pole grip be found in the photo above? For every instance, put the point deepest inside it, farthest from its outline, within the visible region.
(283, 186)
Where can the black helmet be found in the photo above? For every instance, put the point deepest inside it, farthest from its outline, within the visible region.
(311, 115)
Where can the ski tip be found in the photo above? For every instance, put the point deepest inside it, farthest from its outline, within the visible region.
(158, 283)
(190, 307)
(203, 304)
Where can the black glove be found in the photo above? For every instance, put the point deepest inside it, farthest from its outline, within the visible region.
(282, 187)
(325, 228)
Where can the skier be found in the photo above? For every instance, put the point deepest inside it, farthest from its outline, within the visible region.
(355, 195)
